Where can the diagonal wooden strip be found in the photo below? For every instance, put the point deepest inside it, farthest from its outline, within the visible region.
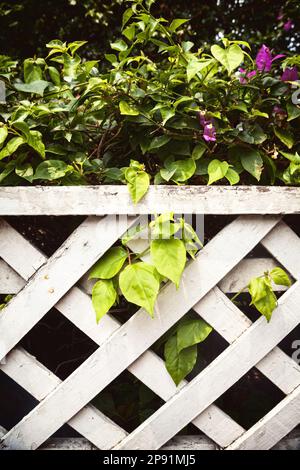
(285, 248)
(273, 427)
(10, 281)
(147, 368)
(39, 381)
(230, 322)
(79, 252)
(140, 332)
(220, 375)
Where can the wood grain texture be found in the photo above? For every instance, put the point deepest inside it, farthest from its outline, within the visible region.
(102, 200)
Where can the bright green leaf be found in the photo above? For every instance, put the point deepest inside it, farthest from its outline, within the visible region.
(128, 110)
(217, 170)
(110, 264)
(138, 182)
(139, 284)
(169, 258)
(280, 277)
(104, 296)
(51, 170)
(230, 58)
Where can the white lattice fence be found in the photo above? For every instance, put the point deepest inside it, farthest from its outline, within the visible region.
(40, 284)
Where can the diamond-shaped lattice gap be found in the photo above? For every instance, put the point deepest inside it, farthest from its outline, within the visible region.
(127, 401)
(15, 403)
(45, 232)
(249, 399)
(58, 344)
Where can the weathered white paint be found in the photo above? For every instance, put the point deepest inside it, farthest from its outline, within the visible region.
(10, 281)
(104, 200)
(139, 333)
(147, 367)
(39, 381)
(230, 322)
(248, 268)
(79, 252)
(221, 374)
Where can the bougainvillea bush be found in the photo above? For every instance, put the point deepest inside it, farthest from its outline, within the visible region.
(155, 109)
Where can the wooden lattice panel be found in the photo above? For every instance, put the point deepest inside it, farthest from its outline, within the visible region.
(219, 268)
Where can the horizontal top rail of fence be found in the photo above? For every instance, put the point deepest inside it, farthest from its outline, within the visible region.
(108, 200)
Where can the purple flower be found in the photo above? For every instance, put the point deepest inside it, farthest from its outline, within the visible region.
(209, 130)
(288, 25)
(279, 112)
(290, 74)
(244, 75)
(202, 118)
(209, 133)
(280, 16)
(264, 59)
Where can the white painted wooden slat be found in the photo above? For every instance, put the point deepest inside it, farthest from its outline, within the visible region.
(121, 349)
(248, 268)
(10, 281)
(285, 248)
(220, 375)
(273, 427)
(104, 200)
(39, 381)
(79, 252)
(77, 307)
(230, 322)
(290, 442)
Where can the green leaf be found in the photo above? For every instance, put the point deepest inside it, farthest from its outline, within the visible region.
(280, 277)
(110, 264)
(263, 297)
(169, 258)
(104, 296)
(35, 141)
(54, 75)
(199, 151)
(190, 332)
(232, 176)
(11, 147)
(139, 284)
(126, 16)
(294, 158)
(158, 142)
(119, 45)
(217, 170)
(285, 136)
(25, 171)
(293, 111)
(128, 110)
(179, 364)
(37, 87)
(3, 134)
(177, 23)
(195, 66)
(179, 170)
(251, 161)
(51, 170)
(230, 58)
(138, 182)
